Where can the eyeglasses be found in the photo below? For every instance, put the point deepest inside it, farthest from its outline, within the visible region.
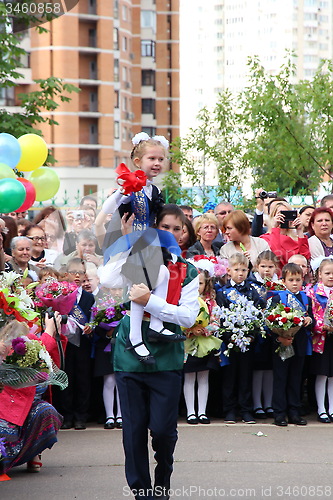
(37, 238)
(81, 273)
(224, 212)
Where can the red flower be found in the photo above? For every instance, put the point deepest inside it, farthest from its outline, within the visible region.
(284, 320)
(271, 317)
(287, 309)
(277, 316)
(296, 320)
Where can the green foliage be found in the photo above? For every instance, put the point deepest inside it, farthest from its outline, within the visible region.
(216, 142)
(278, 131)
(51, 92)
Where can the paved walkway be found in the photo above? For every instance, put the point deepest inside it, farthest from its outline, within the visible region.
(213, 461)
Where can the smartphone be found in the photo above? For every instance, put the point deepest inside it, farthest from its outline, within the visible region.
(289, 215)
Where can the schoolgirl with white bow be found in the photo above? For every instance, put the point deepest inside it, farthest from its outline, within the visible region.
(137, 212)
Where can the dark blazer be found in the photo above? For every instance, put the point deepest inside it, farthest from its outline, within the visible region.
(197, 249)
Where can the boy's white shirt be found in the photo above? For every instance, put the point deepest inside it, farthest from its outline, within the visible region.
(183, 314)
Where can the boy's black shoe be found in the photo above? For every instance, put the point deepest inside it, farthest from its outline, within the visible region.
(247, 418)
(297, 420)
(230, 418)
(280, 421)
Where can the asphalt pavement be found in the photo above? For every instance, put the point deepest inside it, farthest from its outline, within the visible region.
(211, 461)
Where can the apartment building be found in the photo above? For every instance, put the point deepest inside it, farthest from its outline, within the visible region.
(124, 56)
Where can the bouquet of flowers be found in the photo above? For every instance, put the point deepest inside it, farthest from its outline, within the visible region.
(107, 313)
(242, 319)
(15, 303)
(328, 315)
(283, 320)
(274, 286)
(29, 364)
(201, 344)
(60, 295)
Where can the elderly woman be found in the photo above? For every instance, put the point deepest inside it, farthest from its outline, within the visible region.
(237, 228)
(21, 254)
(320, 230)
(206, 229)
(85, 249)
(40, 255)
(285, 242)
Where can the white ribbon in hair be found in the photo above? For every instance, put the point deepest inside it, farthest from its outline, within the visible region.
(142, 136)
(204, 265)
(315, 263)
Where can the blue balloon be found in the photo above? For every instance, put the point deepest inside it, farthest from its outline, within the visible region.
(10, 150)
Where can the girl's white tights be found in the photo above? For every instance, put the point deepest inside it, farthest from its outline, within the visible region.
(189, 385)
(109, 388)
(322, 384)
(262, 388)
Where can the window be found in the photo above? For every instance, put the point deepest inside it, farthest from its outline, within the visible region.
(116, 130)
(148, 106)
(124, 43)
(148, 19)
(151, 131)
(116, 70)
(116, 98)
(115, 39)
(147, 48)
(116, 9)
(148, 77)
(124, 10)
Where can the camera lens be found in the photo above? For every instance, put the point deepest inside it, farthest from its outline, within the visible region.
(263, 195)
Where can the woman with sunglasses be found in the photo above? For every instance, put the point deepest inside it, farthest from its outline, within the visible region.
(40, 255)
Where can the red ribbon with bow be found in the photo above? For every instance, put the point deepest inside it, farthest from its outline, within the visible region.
(131, 182)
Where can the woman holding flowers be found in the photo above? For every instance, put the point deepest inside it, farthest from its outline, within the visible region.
(28, 423)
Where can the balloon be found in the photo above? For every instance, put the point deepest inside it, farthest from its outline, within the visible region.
(6, 171)
(10, 150)
(12, 194)
(34, 152)
(46, 182)
(30, 194)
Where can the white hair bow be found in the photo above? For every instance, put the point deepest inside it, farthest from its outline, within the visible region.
(142, 136)
(315, 263)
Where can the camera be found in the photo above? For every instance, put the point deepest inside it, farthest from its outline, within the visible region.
(50, 313)
(267, 194)
(78, 214)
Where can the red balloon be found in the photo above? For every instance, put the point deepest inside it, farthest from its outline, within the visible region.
(30, 196)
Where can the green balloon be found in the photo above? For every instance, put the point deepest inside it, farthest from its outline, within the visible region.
(6, 171)
(12, 195)
(46, 182)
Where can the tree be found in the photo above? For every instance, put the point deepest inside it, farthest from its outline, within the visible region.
(291, 127)
(276, 130)
(51, 91)
(216, 144)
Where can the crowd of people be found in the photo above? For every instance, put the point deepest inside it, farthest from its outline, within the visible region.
(173, 288)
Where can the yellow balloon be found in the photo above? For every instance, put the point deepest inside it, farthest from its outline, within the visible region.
(34, 152)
